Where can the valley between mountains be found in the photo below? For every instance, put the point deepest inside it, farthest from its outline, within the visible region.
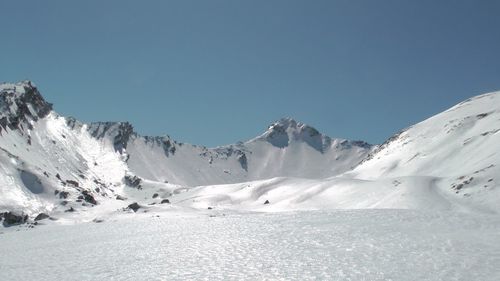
(100, 202)
(64, 168)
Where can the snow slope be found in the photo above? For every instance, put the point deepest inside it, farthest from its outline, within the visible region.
(460, 141)
(58, 165)
(287, 148)
(320, 245)
(220, 211)
(50, 163)
(450, 161)
(459, 146)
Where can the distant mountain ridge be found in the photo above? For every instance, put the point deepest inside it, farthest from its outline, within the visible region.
(44, 152)
(285, 149)
(55, 164)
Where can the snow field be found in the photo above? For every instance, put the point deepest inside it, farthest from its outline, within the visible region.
(214, 245)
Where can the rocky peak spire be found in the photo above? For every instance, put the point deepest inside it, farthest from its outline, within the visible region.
(21, 103)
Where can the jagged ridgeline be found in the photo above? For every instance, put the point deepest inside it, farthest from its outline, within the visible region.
(20, 105)
(49, 161)
(50, 164)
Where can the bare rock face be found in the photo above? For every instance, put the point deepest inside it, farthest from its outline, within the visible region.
(41, 216)
(134, 207)
(120, 132)
(165, 142)
(133, 181)
(121, 198)
(11, 218)
(21, 103)
(88, 197)
(63, 194)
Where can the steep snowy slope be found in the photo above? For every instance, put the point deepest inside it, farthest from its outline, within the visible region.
(45, 162)
(287, 148)
(460, 146)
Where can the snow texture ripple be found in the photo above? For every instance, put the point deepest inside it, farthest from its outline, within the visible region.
(316, 245)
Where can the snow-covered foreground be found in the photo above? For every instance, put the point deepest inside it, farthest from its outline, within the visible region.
(212, 245)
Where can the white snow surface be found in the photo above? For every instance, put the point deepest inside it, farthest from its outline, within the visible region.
(290, 204)
(460, 147)
(314, 245)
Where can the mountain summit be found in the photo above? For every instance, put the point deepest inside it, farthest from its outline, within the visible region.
(287, 130)
(21, 103)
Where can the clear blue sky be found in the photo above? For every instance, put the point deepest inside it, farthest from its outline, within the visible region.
(215, 72)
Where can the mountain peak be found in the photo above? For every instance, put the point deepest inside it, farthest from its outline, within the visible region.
(289, 125)
(287, 130)
(21, 102)
(19, 88)
(286, 122)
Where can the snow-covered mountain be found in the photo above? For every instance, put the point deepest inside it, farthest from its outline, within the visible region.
(450, 161)
(61, 166)
(48, 161)
(459, 142)
(287, 149)
(459, 148)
